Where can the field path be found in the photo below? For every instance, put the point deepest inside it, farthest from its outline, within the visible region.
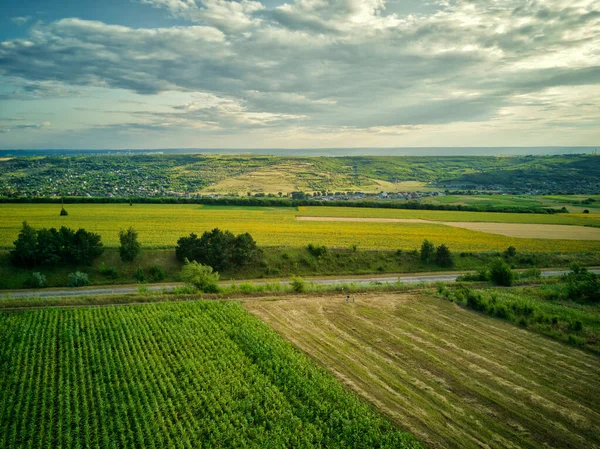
(454, 378)
(359, 279)
(520, 230)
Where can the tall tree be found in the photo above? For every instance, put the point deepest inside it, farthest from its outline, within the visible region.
(130, 246)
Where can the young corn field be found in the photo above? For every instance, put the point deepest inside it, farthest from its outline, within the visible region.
(195, 374)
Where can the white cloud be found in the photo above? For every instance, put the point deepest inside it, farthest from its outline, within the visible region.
(21, 20)
(340, 67)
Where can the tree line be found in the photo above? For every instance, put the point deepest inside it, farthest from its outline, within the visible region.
(284, 202)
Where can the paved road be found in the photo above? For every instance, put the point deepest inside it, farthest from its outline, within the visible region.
(116, 290)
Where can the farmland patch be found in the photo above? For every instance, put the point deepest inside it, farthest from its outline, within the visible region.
(454, 378)
(185, 375)
(519, 230)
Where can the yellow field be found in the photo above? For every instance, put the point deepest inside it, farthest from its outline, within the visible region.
(161, 226)
(521, 230)
(443, 215)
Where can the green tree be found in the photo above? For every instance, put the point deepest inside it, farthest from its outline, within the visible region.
(86, 247)
(130, 246)
(25, 252)
(501, 274)
(188, 248)
(200, 276)
(427, 251)
(443, 257)
(219, 249)
(245, 249)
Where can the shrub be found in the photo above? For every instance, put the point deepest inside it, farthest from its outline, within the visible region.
(576, 326)
(443, 257)
(511, 251)
(130, 247)
(298, 285)
(475, 301)
(139, 275)
(317, 251)
(63, 212)
(531, 273)
(37, 280)
(109, 272)
(200, 276)
(78, 279)
(501, 274)
(501, 311)
(582, 284)
(156, 273)
(427, 251)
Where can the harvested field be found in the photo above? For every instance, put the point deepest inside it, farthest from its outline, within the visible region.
(452, 377)
(519, 230)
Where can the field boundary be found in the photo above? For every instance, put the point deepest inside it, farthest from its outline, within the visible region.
(518, 230)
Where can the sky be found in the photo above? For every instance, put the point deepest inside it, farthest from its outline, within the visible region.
(77, 74)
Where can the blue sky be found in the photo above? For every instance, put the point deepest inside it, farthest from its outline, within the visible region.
(298, 73)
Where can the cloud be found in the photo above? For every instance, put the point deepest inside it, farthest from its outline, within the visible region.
(22, 126)
(228, 15)
(321, 64)
(20, 20)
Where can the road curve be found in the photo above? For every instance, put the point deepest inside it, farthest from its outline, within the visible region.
(407, 279)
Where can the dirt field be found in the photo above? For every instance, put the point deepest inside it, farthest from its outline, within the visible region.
(520, 230)
(454, 378)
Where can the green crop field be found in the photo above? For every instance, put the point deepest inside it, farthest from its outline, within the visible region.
(196, 374)
(160, 226)
(573, 203)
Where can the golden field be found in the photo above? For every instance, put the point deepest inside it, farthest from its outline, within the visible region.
(160, 226)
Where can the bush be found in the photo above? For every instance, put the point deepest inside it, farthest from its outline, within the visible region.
(501, 274)
(37, 280)
(78, 279)
(139, 275)
(511, 251)
(531, 273)
(443, 257)
(63, 212)
(317, 251)
(481, 275)
(427, 251)
(109, 272)
(130, 247)
(156, 273)
(582, 284)
(298, 285)
(200, 276)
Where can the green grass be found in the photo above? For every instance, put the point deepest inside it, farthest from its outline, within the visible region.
(542, 309)
(281, 262)
(571, 202)
(196, 374)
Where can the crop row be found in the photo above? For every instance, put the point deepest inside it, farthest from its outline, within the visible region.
(170, 375)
